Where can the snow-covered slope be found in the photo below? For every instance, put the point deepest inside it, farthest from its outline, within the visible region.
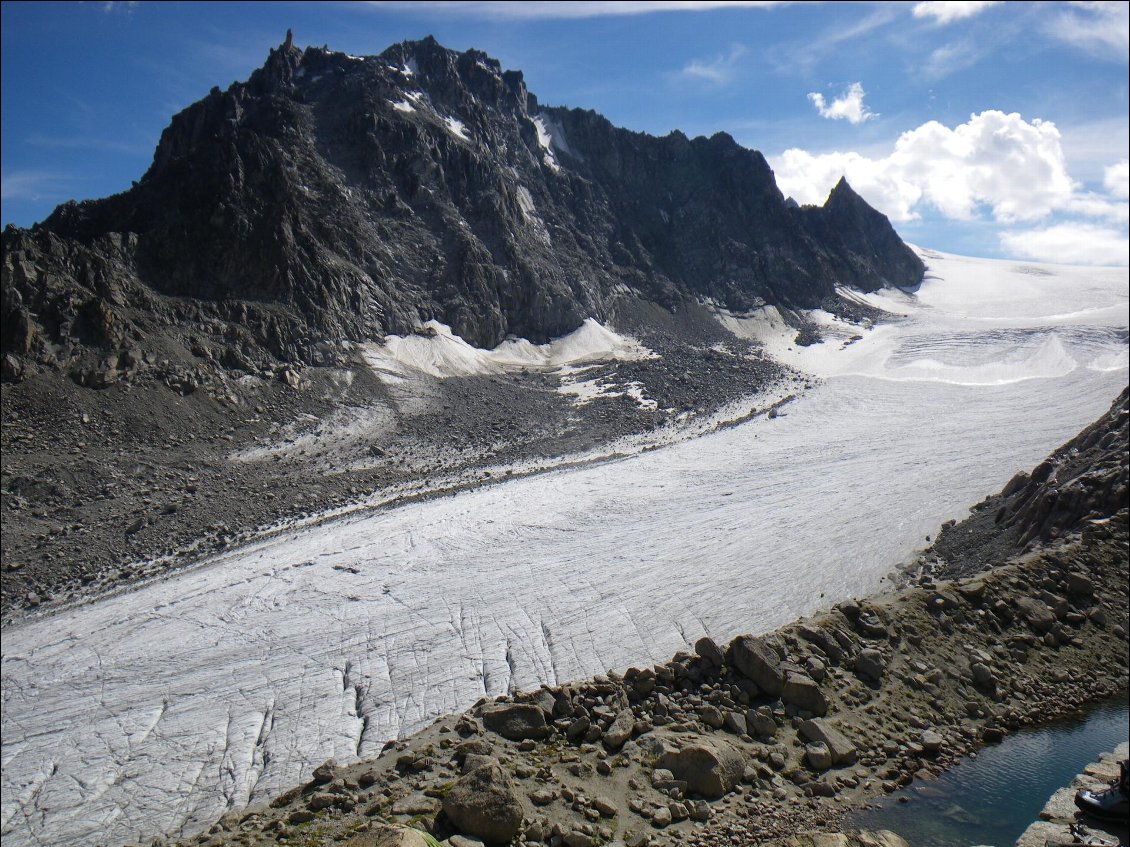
(159, 709)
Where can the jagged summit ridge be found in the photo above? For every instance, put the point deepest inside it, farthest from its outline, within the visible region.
(332, 197)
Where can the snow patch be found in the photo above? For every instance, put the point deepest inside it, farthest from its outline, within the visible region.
(530, 214)
(456, 127)
(526, 204)
(551, 137)
(402, 106)
(439, 353)
(587, 390)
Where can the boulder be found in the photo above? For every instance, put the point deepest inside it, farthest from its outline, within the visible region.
(325, 772)
(821, 732)
(735, 722)
(760, 662)
(931, 741)
(818, 756)
(710, 769)
(1078, 583)
(620, 730)
(1036, 613)
(983, 676)
(516, 721)
(484, 804)
(803, 692)
(760, 722)
(711, 716)
(870, 665)
(709, 650)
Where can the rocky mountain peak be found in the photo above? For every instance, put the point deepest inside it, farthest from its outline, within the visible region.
(333, 197)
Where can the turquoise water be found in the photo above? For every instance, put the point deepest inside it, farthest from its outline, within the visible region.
(992, 799)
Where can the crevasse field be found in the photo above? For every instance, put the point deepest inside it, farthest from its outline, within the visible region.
(156, 710)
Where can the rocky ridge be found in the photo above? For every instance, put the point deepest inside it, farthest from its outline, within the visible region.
(1081, 484)
(332, 198)
(754, 741)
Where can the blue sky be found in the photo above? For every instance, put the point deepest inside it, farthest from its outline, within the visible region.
(988, 129)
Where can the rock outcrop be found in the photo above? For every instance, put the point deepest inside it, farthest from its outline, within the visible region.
(332, 198)
(1076, 489)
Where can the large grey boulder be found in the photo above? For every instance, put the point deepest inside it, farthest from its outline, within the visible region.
(1036, 613)
(516, 721)
(803, 692)
(484, 803)
(869, 665)
(709, 768)
(760, 662)
(709, 650)
(620, 730)
(821, 732)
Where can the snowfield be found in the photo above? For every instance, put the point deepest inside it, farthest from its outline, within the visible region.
(157, 710)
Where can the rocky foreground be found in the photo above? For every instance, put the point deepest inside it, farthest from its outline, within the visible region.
(764, 738)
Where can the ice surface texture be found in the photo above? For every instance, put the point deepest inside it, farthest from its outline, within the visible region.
(157, 710)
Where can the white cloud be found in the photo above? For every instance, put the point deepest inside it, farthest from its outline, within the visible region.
(1099, 28)
(1116, 180)
(948, 11)
(30, 185)
(953, 57)
(1069, 244)
(1091, 205)
(83, 142)
(1014, 168)
(849, 106)
(804, 54)
(1091, 146)
(565, 8)
(718, 70)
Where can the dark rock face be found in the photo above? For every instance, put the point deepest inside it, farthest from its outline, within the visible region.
(870, 252)
(334, 198)
(1079, 488)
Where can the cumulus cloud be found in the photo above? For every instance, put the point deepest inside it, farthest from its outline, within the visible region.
(1116, 180)
(718, 70)
(848, 106)
(1069, 244)
(1099, 28)
(948, 11)
(996, 161)
(1092, 205)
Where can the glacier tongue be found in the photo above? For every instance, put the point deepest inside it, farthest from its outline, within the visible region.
(157, 710)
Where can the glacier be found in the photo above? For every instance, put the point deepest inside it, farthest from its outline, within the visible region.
(157, 709)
